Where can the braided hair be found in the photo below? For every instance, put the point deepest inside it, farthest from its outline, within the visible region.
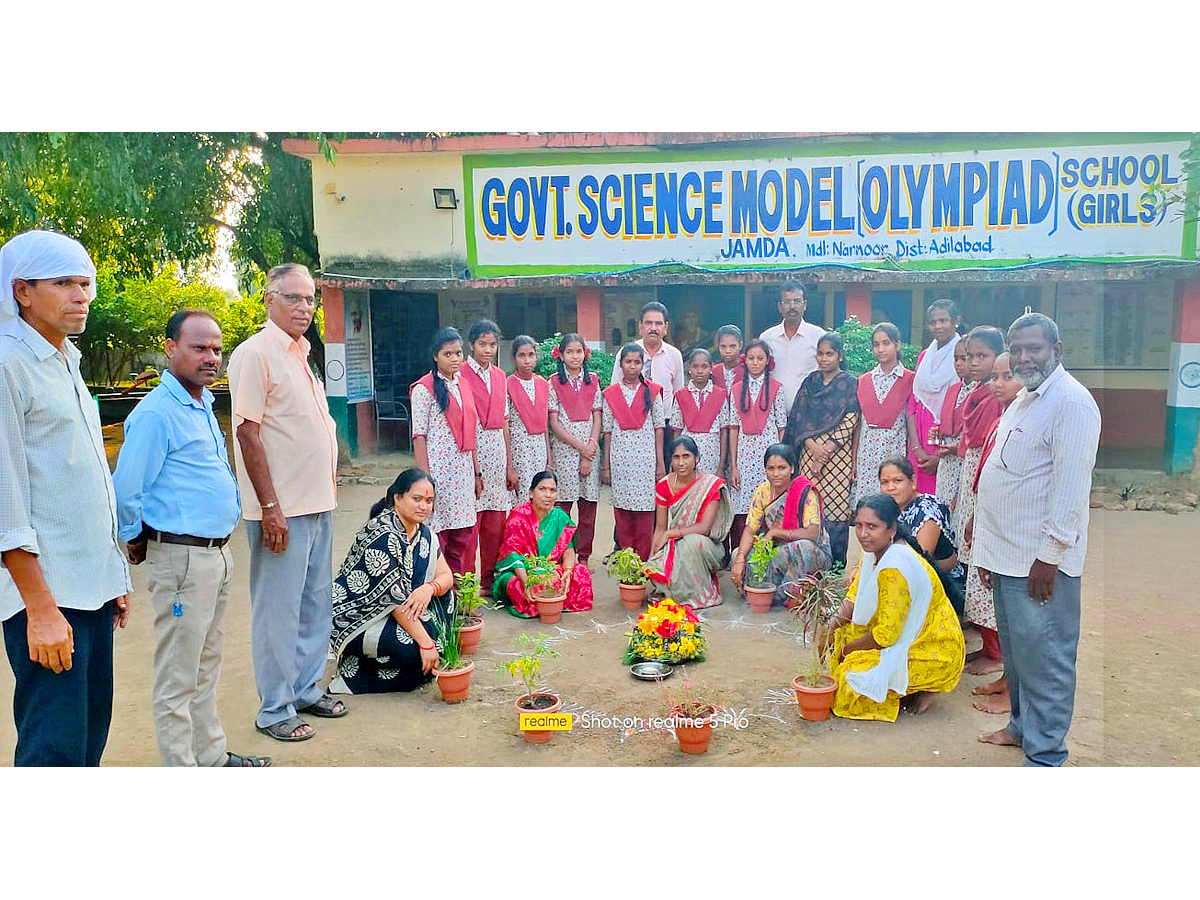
(763, 396)
(637, 348)
(562, 369)
(440, 393)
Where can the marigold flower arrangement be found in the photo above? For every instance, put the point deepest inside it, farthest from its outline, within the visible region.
(666, 632)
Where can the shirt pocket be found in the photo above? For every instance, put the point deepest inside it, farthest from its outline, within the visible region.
(1024, 450)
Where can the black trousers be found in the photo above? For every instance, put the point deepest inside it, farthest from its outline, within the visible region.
(63, 719)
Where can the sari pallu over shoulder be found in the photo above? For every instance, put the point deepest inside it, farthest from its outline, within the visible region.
(819, 407)
(524, 536)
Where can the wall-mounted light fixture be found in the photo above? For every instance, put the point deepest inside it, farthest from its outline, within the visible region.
(444, 198)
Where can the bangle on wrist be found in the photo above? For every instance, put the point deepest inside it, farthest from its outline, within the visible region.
(430, 647)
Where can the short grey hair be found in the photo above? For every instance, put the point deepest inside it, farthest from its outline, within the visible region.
(1047, 324)
(281, 271)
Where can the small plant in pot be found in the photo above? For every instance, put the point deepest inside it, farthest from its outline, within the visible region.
(470, 603)
(760, 590)
(526, 667)
(816, 600)
(544, 586)
(693, 711)
(453, 671)
(629, 571)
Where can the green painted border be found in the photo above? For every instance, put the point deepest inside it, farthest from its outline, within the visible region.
(879, 145)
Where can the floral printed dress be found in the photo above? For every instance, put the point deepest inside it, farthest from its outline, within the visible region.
(492, 456)
(877, 444)
(751, 447)
(529, 451)
(453, 470)
(566, 460)
(949, 472)
(633, 453)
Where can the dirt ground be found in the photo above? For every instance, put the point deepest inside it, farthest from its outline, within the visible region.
(1136, 704)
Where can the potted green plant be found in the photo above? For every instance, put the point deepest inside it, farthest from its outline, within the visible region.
(760, 590)
(526, 667)
(469, 603)
(815, 600)
(629, 571)
(453, 672)
(692, 711)
(543, 585)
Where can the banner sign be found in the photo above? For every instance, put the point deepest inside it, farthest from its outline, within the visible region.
(933, 209)
(360, 384)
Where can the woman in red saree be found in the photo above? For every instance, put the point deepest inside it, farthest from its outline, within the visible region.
(692, 517)
(539, 528)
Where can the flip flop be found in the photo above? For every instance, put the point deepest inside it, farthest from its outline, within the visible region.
(283, 731)
(236, 760)
(326, 708)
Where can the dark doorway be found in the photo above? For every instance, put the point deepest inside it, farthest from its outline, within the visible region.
(402, 325)
(698, 310)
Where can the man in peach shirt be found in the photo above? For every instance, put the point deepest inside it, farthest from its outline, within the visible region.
(286, 455)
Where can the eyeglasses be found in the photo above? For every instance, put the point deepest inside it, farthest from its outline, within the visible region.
(294, 299)
(799, 302)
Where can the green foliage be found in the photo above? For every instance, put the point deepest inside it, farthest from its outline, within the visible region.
(762, 551)
(541, 577)
(450, 631)
(466, 593)
(528, 665)
(859, 358)
(816, 598)
(626, 567)
(600, 363)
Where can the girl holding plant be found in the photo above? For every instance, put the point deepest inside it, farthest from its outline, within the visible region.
(633, 450)
(883, 395)
(392, 597)
(574, 409)
(528, 416)
(539, 527)
(757, 418)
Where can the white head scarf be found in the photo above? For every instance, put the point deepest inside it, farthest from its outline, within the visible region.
(40, 254)
(935, 373)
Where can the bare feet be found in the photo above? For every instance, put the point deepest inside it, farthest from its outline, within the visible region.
(917, 703)
(983, 666)
(999, 686)
(974, 655)
(1000, 738)
(995, 704)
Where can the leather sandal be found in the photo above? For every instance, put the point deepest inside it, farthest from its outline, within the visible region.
(236, 760)
(328, 707)
(285, 730)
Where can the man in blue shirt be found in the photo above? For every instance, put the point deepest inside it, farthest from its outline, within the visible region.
(177, 505)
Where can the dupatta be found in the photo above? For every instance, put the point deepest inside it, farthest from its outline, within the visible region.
(934, 375)
(979, 411)
(380, 570)
(819, 407)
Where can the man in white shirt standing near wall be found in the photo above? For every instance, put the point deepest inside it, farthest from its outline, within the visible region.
(64, 584)
(1030, 537)
(793, 341)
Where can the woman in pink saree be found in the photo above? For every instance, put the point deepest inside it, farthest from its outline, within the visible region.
(692, 516)
(539, 528)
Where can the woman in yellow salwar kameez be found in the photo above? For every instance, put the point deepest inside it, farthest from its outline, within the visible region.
(898, 638)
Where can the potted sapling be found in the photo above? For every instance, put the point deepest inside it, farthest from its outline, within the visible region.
(692, 710)
(815, 600)
(760, 590)
(629, 571)
(470, 603)
(544, 586)
(526, 667)
(453, 671)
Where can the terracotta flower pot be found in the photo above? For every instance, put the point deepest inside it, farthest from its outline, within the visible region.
(455, 682)
(550, 608)
(815, 702)
(760, 599)
(468, 637)
(632, 595)
(537, 737)
(693, 732)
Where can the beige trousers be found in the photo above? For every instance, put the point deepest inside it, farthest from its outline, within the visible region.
(193, 582)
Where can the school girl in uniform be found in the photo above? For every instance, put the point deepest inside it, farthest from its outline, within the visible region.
(883, 395)
(444, 423)
(574, 410)
(489, 388)
(729, 349)
(633, 450)
(528, 416)
(932, 379)
(700, 411)
(949, 431)
(757, 419)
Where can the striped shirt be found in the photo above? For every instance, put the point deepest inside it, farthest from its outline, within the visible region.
(56, 494)
(1035, 485)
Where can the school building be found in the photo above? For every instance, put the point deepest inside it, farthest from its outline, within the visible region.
(550, 233)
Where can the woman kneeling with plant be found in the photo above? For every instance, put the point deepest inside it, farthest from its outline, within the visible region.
(538, 528)
(392, 596)
(693, 516)
(787, 509)
(898, 637)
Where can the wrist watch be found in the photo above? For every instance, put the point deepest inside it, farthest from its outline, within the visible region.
(271, 505)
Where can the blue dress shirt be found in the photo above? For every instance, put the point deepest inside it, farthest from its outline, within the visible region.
(173, 471)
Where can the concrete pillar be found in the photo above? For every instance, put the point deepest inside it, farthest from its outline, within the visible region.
(1183, 391)
(858, 302)
(747, 314)
(334, 307)
(589, 313)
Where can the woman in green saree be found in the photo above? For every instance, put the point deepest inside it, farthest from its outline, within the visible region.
(539, 528)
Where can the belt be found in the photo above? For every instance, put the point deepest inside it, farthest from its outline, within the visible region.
(189, 540)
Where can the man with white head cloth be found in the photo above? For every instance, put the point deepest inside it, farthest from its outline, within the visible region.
(64, 584)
